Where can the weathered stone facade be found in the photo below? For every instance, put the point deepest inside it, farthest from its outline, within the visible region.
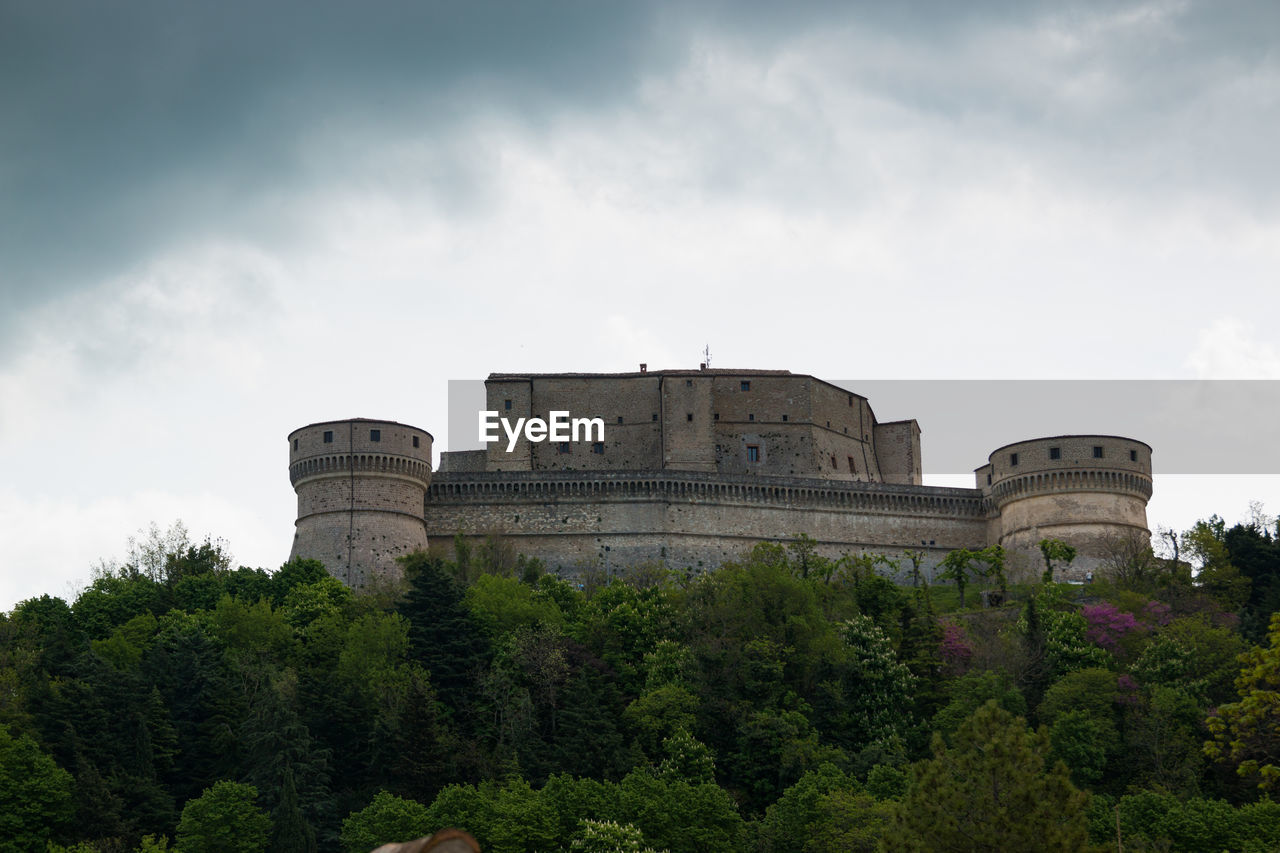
(695, 468)
(361, 486)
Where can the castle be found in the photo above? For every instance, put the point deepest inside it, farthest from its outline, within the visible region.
(693, 468)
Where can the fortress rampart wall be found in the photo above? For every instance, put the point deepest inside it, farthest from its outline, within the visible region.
(687, 519)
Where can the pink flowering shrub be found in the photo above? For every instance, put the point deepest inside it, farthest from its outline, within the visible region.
(955, 647)
(1157, 613)
(1108, 624)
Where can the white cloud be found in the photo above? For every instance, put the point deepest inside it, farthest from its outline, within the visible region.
(1229, 348)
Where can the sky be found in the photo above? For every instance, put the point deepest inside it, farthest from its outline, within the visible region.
(219, 222)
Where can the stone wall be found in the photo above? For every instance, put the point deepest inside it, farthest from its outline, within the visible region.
(693, 520)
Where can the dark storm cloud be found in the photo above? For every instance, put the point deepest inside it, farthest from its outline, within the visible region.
(126, 124)
(133, 125)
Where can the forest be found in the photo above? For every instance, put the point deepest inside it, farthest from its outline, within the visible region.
(781, 702)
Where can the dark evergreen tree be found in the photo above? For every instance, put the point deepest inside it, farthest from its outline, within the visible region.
(443, 636)
(991, 790)
(290, 832)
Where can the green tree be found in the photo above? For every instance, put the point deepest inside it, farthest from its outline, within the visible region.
(1246, 733)
(387, 819)
(289, 829)
(1206, 544)
(991, 790)
(680, 816)
(789, 821)
(1082, 742)
(970, 692)
(994, 556)
(956, 567)
(1055, 550)
(224, 819)
(443, 635)
(35, 794)
(607, 836)
(882, 688)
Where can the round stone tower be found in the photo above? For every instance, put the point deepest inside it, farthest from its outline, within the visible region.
(361, 488)
(1086, 490)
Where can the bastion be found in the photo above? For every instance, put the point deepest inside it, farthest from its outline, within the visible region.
(694, 468)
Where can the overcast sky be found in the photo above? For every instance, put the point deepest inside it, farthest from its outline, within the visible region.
(221, 221)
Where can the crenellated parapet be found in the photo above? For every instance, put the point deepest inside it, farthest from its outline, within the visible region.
(792, 492)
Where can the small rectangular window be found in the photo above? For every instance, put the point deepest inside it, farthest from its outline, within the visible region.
(1097, 451)
(328, 436)
(295, 444)
(619, 418)
(784, 419)
(688, 383)
(716, 416)
(375, 435)
(853, 469)
(751, 417)
(1013, 459)
(753, 453)
(688, 416)
(564, 447)
(833, 462)
(746, 386)
(506, 404)
(1055, 452)
(598, 447)
(415, 441)
(988, 479)
(851, 400)
(1133, 456)
(655, 417)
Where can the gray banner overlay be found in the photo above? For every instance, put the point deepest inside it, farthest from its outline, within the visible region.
(1200, 427)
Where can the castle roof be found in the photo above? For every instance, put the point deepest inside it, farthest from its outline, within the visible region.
(639, 373)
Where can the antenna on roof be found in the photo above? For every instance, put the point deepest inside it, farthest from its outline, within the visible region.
(706, 355)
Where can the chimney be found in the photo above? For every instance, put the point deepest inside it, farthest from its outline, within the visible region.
(702, 366)
(644, 368)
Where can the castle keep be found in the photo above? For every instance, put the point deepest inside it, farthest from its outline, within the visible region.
(696, 466)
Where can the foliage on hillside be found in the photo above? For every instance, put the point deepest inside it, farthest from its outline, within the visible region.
(782, 702)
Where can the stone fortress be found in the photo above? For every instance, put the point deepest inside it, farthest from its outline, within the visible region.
(697, 466)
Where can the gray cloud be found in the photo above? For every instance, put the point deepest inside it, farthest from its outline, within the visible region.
(133, 124)
(137, 125)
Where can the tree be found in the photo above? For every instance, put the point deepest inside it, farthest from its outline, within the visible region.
(882, 688)
(994, 557)
(290, 830)
(992, 790)
(1215, 574)
(443, 635)
(956, 567)
(916, 556)
(1246, 733)
(35, 794)
(224, 819)
(607, 836)
(388, 818)
(1055, 550)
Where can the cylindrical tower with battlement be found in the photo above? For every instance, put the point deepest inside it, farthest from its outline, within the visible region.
(1086, 490)
(361, 486)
